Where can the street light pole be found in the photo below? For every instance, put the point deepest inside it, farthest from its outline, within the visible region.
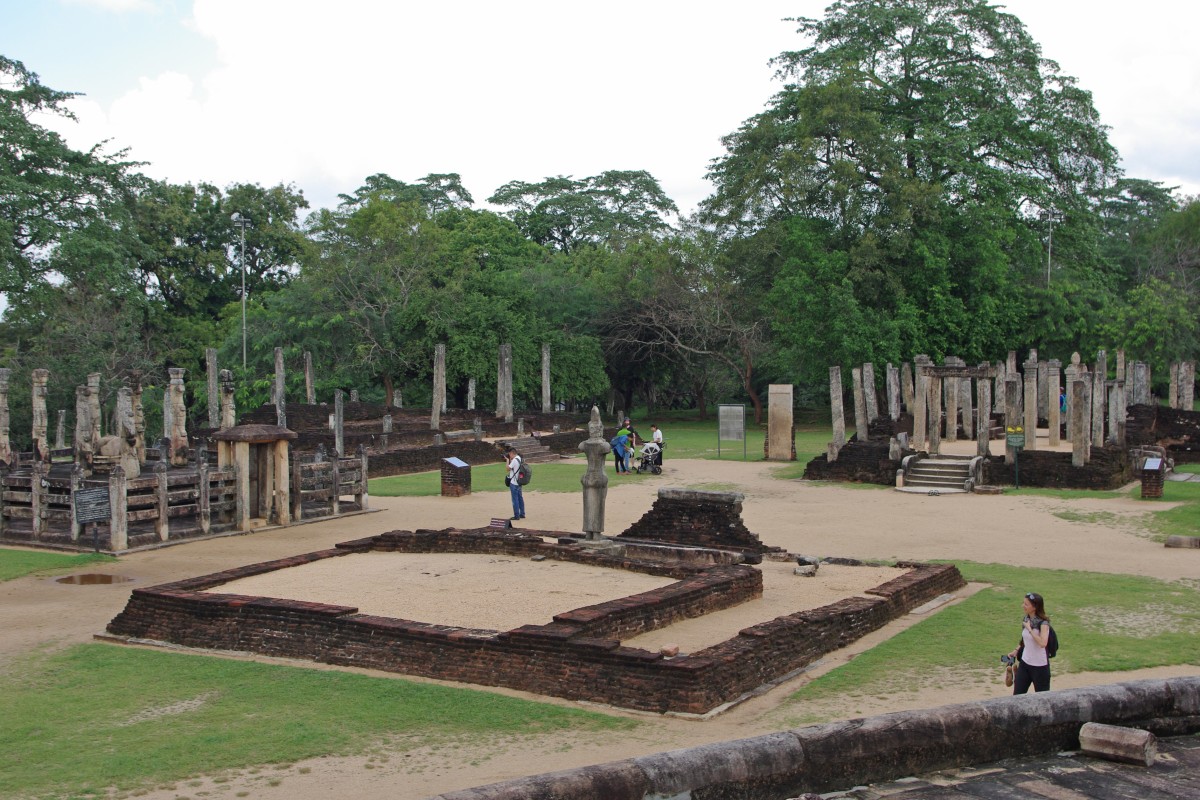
(242, 222)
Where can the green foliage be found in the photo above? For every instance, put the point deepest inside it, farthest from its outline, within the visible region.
(203, 715)
(19, 563)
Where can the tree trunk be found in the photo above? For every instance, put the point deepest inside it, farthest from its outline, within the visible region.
(387, 389)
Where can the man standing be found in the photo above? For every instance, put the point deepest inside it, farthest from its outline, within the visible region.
(656, 436)
(514, 486)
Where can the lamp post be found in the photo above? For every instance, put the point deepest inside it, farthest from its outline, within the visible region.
(241, 222)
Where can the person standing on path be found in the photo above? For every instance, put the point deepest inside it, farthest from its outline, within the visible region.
(1033, 662)
(514, 487)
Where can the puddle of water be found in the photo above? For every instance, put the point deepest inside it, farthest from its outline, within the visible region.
(92, 578)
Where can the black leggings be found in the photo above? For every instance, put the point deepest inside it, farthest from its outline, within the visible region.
(1026, 675)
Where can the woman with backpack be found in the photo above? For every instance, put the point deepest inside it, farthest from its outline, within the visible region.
(514, 485)
(1033, 654)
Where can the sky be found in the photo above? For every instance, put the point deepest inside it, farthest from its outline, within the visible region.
(323, 94)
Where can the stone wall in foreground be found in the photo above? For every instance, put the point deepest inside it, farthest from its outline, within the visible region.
(577, 656)
(838, 755)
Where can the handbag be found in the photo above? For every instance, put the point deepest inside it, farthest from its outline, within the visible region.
(1008, 675)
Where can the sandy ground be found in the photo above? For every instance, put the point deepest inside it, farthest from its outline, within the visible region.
(38, 614)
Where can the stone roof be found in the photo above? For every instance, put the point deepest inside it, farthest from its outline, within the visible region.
(254, 433)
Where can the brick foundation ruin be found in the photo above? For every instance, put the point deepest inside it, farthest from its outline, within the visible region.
(578, 655)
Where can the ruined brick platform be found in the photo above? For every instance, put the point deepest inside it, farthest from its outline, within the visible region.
(577, 656)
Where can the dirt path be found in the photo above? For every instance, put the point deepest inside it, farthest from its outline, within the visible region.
(1096, 535)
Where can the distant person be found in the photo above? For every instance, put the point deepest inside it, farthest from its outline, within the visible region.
(1032, 660)
(656, 436)
(631, 447)
(620, 449)
(510, 480)
(1062, 401)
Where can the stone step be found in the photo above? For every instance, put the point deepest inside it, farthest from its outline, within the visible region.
(531, 450)
(938, 483)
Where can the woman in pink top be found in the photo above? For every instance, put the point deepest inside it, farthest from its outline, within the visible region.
(1033, 664)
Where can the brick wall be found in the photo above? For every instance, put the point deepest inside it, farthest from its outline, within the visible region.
(697, 519)
(858, 462)
(575, 656)
(1109, 468)
(1175, 429)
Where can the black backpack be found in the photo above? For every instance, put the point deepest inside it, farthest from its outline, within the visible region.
(524, 473)
(1052, 644)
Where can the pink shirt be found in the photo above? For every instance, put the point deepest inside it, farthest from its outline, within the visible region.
(1034, 654)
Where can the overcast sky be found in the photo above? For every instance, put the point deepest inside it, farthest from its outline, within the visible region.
(323, 94)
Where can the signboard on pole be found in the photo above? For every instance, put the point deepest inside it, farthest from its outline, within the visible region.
(1014, 436)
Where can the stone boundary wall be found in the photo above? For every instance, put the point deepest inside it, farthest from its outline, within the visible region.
(1107, 468)
(1175, 429)
(574, 656)
(839, 755)
(859, 462)
(424, 459)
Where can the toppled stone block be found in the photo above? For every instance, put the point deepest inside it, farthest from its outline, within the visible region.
(806, 571)
(669, 650)
(1118, 743)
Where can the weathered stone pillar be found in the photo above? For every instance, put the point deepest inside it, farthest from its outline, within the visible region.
(1030, 405)
(1118, 419)
(139, 415)
(595, 479)
(179, 437)
(984, 422)
(892, 382)
(1099, 398)
(920, 410)
(1187, 386)
(117, 500)
(1141, 383)
(504, 385)
(84, 451)
(935, 415)
(1077, 408)
(6, 454)
(951, 394)
(869, 396)
(60, 432)
(1044, 399)
(1053, 416)
(123, 429)
(779, 422)
(41, 444)
(310, 380)
(228, 407)
(93, 382)
(354, 395)
(1011, 364)
(477, 428)
(1173, 385)
(1001, 393)
(908, 391)
(838, 413)
(1012, 413)
(1114, 410)
(1070, 375)
(546, 378)
(1086, 377)
(965, 406)
(278, 394)
(439, 386)
(339, 418)
(470, 394)
(387, 429)
(398, 398)
(214, 397)
(861, 425)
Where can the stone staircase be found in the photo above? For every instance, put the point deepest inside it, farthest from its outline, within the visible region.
(940, 474)
(531, 450)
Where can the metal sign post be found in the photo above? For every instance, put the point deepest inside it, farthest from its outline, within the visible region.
(1014, 437)
(731, 424)
(92, 506)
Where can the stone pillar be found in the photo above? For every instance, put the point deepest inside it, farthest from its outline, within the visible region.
(1141, 383)
(869, 397)
(1120, 365)
(546, 378)
(920, 411)
(1117, 420)
(1099, 398)
(398, 398)
(1030, 405)
(60, 433)
(1044, 399)
(984, 422)
(6, 454)
(354, 395)
(1012, 413)
(1053, 417)
(595, 479)
(179, 437)
(779, 422)
(310, 382)
(41, 444)
(892, 382)
(504, 384)
(1077, 408)
(951, 394)
(907, 390)
(279, 394)
(93, 382)
(1113, 412)
(214, 397)
(1086, 377)
(935, 415)
(860, 405)
(965, 406)
(1173, 385)
(339, 419)
(123, 429)
(1070, 375)
(470, 394)
(228, 408)
(139, 415)
(1011, 365)
(838, 413)
(477, 428)
(84, 451)
(1187, 386)
(387, 429)
(439, 386)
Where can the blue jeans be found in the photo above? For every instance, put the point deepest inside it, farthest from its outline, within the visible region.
(518, 499)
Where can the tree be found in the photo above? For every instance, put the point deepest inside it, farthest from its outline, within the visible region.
(436, 191)
(610, 209)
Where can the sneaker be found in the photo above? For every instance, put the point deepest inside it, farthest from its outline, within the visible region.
(512, 518)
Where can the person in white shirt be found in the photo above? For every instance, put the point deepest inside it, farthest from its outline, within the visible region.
(656, 436)
(1033, 663)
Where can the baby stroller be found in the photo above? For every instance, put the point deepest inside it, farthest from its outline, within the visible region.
(650, 459)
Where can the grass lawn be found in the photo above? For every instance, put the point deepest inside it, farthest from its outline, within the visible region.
(98, 716)
(1104, 623)
(18, 563)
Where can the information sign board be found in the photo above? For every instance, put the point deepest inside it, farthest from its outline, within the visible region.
(91, 505)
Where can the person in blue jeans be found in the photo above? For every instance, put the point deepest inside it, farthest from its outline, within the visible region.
(510, 480)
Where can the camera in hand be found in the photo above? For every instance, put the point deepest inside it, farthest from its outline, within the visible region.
(1007, 659)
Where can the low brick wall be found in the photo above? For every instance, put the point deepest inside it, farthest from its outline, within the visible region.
(576, 656)
(424, 459)
(839, 755)
(1175, 429)
(859, 462)
(697, 519)
(1108, 468)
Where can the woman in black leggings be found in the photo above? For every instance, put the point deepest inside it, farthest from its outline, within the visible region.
(1033, 663)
